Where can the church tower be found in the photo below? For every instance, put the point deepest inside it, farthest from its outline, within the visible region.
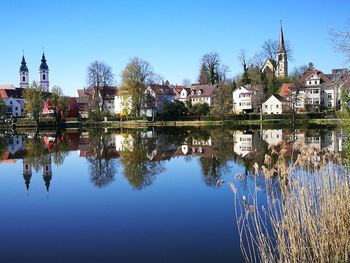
(282, 61)
(23, 74)
(44, 74)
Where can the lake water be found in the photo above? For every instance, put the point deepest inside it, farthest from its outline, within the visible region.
(151, 195)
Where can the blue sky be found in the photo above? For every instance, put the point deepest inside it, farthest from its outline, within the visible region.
(172, 35)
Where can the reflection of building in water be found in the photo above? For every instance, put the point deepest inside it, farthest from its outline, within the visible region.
(272, 137)
(15, 144)
(47, 171)
(27, 173)
(123, 142)
(198, 147)
(184, 149)
(201, 142)
(242, 143)
(319, 140)
(330, 141)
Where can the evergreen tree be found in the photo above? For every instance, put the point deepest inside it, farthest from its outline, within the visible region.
(245, 79)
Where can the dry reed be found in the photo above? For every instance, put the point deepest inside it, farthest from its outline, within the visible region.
(308, 220)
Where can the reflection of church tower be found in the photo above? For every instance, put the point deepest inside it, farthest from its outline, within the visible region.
(23, 74)
(47, 171)
(282, 61)
(27, 173)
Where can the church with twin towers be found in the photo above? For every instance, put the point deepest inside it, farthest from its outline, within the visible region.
(43, 74)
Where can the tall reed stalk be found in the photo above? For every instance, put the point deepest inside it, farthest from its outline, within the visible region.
(308, 220)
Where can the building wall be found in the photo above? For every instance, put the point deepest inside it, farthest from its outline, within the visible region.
(201, 100)
(14, 107)
(272, 106)
(242, 100)
(122, 104)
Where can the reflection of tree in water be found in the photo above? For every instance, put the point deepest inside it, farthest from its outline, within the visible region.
(213, 167)
(138, 169)
(101, 171)
(102, 165)
(3, 145)
(211, 170)
(61, 149)
(35, 151)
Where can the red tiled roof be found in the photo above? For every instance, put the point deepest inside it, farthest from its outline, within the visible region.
(162, 89)
(7, 86)
(320, 74)
(285, 89)
(207, 90)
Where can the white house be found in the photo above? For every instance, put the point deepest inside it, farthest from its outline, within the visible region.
(242, 99)
(198, 94)
(156, 97)
(122, 103)
(317, 89)
(273, 105)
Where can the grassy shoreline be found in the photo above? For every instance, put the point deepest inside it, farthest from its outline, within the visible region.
(277, 123)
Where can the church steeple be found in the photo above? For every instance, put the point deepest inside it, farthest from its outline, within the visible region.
(44, 74)
(281, 47)
(23, 74)
(282, 59)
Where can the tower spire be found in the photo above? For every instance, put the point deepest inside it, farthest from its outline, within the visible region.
(281, 46)
(23, 73)
(44, 73)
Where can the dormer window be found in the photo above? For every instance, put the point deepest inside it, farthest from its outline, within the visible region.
(199, 92)
(192, 92)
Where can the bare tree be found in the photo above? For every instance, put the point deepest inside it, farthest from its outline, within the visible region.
(100, 78)
(245, 79)
(186, 82)
(210, 65)
(341, 40)
(270, 47)
(223, 72)
(294, 98)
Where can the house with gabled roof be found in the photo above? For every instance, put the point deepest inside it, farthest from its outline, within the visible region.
(197, 93)
(275, 104)
(156, 97)
(242, 99)
(315, 88)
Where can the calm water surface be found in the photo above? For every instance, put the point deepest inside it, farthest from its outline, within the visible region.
(132, 195)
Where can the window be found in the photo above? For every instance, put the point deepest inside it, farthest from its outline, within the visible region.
(309, 82)
(329, 104)
(10, 102)
(16, 108)
(329, 95)
(276, 106)
(23, 78)
(44, 77)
